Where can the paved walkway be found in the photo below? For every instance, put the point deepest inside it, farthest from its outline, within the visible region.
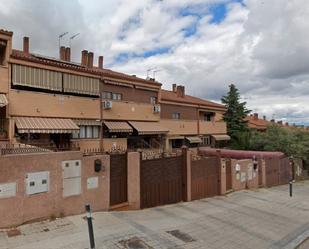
(265, 218)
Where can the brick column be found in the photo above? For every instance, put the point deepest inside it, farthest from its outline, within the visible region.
(222, 176)
(134, 193)
(263, 173)
(188, 162)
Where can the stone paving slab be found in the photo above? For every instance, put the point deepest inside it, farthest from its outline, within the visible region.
(261, 219)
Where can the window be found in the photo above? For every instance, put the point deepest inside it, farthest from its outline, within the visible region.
(206, 140)
(75, 135)
(209, 116)
(82, 133)
(106, 95)
(95, 132)
(87, 132)
(113, 96)
(2, 51)
(176, 115)
(117, 96)
(153, 100)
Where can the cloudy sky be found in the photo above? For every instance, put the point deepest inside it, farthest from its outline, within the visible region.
(262, 46)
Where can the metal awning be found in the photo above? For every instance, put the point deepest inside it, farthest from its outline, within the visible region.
(45, 125)
(194, 140)
(148, 128)
(87, 122)
(221, 137)
(3, 100)
(117, 126)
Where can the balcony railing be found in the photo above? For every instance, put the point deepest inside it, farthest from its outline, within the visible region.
(212, 127)
(9, 149)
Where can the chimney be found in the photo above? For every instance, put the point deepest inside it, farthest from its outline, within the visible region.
(100, 62)
(264, 117)
(26, 45)
(62, 53)
(180, 91)
(90, 60)
(255, 116)
(68, 54)
(84, 57)
(174, 88)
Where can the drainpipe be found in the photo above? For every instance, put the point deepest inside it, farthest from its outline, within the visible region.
(198, 120)
(101, 114)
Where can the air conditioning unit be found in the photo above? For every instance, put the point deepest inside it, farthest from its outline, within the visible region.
(107, 104)
(156, 108)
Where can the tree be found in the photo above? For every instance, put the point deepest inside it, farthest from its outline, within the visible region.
(234, 118)
(292, 142)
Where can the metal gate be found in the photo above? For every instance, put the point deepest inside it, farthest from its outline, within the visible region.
(272, 171)
(118, 179)
(205, 178)
(162, 181)
(228, 172)
(285, 171)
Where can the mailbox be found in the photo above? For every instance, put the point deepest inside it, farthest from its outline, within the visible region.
(98, 165)
(255, 163)
(37, 182)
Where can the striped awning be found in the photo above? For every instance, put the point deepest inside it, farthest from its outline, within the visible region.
(87, 122)
(45, 125)
(3, 100)
(117, 126)
(148, 128)
(221, 137)
(194, 140)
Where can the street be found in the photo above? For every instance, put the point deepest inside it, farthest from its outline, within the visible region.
(262, 218)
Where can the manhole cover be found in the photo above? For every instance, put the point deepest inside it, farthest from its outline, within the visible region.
(182, 236)
(134, 243)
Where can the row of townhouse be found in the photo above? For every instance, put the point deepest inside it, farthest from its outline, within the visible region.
(57, 103)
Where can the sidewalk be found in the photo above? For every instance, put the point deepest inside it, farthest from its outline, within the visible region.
(265, 218)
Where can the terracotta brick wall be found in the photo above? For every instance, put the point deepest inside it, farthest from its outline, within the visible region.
(23, 207)
(186, 112)
(131, 94)
(243, 175)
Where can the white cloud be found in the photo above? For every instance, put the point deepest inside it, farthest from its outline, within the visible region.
(261, 46)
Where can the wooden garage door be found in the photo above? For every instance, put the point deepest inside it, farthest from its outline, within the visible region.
(161, 181)
(118, 179)
(205, 178)
(285, 171)
(272, 171)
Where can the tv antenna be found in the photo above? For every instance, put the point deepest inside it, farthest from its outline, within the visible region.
(60, 37)
(72, 37)
(154, 73)
(149, 70)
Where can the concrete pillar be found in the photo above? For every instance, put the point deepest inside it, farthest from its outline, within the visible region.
(222, 176)
(263, 173)
(134, 196)
(188, 161)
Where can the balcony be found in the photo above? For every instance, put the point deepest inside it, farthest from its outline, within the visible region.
(211, 127)
(53, 105)
(180, 127)
(122, 110)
